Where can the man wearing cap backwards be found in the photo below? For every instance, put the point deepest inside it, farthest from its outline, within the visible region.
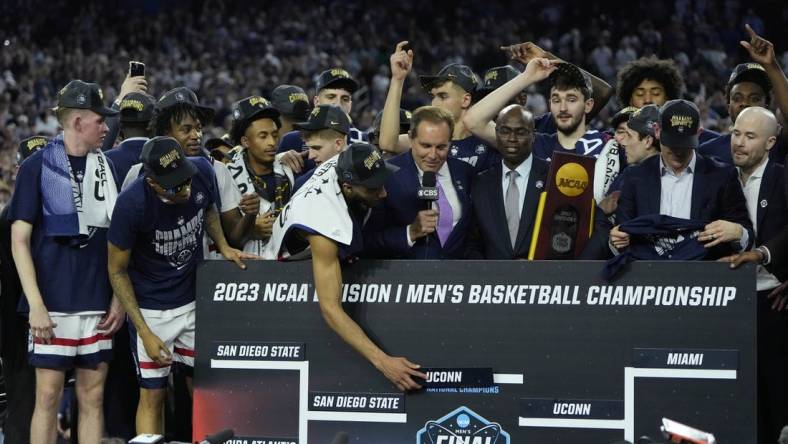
(649, 80)
(683, 184)
(19, 377)
(254, 168)
(323, 220)
(402, 227)
(324, 134)
(334, 87)
(750, 84)
(136, 113)
(639, 142)
(180, 115)
(155, 243)
(60, 213)
(451, 89)
(571, 101)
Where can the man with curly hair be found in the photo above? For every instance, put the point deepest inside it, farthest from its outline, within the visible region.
(649, 80)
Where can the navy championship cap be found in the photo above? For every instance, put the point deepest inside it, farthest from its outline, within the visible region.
(750, 72)
(326, 117)
(679, 122)
(291, 101)
(495, 77)
(361, 164)
(137, 107)
(461, 75)
(183, 95)
(645, 120)
(246, 111)
(166, 162)
(29, 146)
(336, 78)
(82, 95)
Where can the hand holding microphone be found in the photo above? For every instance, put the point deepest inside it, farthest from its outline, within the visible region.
(426, 221)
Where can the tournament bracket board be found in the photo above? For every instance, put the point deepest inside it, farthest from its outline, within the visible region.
(566, 357)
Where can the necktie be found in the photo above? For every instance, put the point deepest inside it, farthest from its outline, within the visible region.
(445, 216)
(512, 206)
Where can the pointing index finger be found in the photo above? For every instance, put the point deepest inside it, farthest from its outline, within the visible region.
(401, 44)
(750, 31)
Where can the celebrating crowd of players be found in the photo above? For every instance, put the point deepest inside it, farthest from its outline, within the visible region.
(100, 234)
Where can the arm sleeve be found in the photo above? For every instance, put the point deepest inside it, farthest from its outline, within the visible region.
(125, 219)
(26, 201)
(229, 194)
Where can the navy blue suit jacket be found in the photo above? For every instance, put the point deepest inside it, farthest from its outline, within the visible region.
(490, 233)
(385, 231)
(716, 194)
(772, 217)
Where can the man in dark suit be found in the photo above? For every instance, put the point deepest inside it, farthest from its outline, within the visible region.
(753, 136)
(402, 226)
(506, 196)
(683, 184)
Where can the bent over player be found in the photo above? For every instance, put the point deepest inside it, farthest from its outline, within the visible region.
(324, 219)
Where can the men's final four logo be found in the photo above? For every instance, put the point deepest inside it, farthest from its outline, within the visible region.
(462, 426)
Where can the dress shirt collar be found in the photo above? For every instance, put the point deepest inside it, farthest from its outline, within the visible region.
(523, 169)
(663, 169)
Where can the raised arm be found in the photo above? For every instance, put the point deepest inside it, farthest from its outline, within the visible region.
(479, 118)
(389, 139)
(328, 284)
(762, 51)
(525, 52)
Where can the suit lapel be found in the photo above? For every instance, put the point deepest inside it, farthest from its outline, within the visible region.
(765, 193)
(461, 189)
(532, 194)
(497, 205)
(698, 188)
(653, 188)
(411, 180)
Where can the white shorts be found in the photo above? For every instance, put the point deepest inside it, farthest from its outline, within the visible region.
(176, 328)
(77, 343)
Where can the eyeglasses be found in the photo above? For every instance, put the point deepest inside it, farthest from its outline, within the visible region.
(505, 131)
(178, 188)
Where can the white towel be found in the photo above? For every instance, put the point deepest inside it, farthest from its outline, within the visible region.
(317, 206)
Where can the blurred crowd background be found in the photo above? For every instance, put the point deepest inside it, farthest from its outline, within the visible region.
(227, 50)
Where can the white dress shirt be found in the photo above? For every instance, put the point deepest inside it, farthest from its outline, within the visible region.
(751, 189)
(444, 179)
(676, 194)
(524, 171)
(676, 190)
